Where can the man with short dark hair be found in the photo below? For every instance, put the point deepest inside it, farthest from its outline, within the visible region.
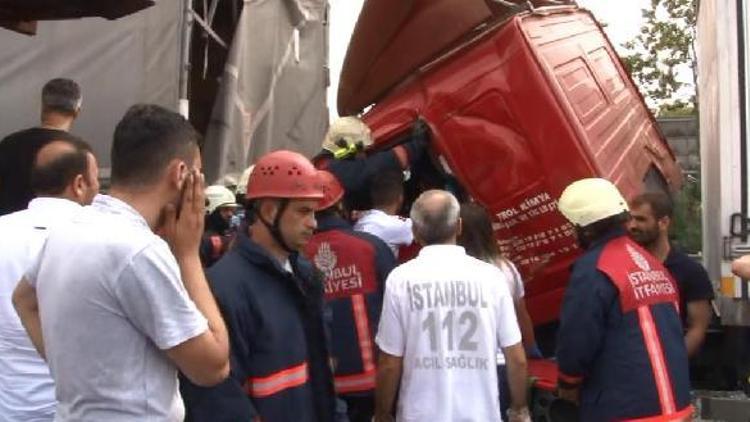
(445, 315)
(116, 309)
(620, 351)
(650, 219)
(64, 176)
(383, 221)
(273, 304)
(61, 103)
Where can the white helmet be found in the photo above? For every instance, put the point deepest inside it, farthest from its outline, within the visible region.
(219, 196)
(587, 201)
(229, 180)
(349, 128)
(244, 177)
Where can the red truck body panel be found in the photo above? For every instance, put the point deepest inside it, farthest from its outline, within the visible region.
(517, 114)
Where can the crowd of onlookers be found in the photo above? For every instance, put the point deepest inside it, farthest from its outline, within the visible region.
(296, 293)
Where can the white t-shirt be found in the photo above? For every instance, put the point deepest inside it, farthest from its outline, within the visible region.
(111, 301)
(446, 314)
(395, 231)
(27, 392)
(515, 282)
(515, 286)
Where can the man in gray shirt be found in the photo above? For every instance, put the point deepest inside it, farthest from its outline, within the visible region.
(119, 311)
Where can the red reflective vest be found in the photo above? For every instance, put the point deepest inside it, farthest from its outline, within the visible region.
(354, 266)
(643, 281)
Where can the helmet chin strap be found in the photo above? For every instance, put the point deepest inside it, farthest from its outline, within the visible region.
(275, 227)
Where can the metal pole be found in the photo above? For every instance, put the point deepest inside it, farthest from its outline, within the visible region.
(187, 34)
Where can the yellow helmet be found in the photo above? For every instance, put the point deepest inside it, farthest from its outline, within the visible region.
(219, 196)
(346, 134)
(587, 201)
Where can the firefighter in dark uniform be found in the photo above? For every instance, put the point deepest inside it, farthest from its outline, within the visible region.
(355, 266)
(620, 348)
(272, 302)
(343, 154)
(219, 233)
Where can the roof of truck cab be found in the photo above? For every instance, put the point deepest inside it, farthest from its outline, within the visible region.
(394, 38)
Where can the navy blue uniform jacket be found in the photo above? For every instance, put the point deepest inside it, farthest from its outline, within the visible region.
(280, 368)
(355, 267)
(603, 349)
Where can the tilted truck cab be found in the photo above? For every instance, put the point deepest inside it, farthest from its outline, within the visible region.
(533, 101)
(520, 102)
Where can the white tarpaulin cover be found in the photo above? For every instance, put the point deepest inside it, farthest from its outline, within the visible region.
(117, 63)
(273, 92)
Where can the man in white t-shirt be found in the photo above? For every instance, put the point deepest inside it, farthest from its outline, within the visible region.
(114, 311)
(383, 221)
(64, 177)
(444, 316)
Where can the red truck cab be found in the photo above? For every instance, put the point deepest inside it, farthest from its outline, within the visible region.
(520, 102)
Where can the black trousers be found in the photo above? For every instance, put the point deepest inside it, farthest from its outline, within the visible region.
(360, 408)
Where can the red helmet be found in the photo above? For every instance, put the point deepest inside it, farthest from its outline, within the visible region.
(284, 174)
(332, 189)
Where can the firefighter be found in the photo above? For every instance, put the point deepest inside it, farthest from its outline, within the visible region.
(273, 305)
(343, 155)
(620, 349)
(355, 266)
(220, 209)
(242, 184)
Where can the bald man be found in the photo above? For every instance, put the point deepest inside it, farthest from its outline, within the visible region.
(64, 177)
(445, 315)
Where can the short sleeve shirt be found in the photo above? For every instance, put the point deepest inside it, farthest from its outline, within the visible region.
(395, 231)
(515, 286)
(27, 391)
(512, 276)
(111, 301)
(692, 280)
(446, 314)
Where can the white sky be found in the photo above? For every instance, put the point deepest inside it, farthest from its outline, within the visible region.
(622, 17)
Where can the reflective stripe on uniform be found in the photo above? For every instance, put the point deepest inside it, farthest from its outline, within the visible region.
(216, 246)
(355, 383)
(362, 323)
(365, 380)
(277, 382)
(683, 415)
(658, 363)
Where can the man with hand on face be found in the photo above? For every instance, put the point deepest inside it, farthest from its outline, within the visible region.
(64, 177)
(273, 304)
(650, 218)
(115, 310)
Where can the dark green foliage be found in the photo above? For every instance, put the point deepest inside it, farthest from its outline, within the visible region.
(666, 42)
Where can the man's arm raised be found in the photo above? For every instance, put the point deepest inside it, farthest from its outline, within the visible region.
(203, 359)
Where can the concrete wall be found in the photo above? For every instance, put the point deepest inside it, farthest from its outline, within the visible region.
(682, 135)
